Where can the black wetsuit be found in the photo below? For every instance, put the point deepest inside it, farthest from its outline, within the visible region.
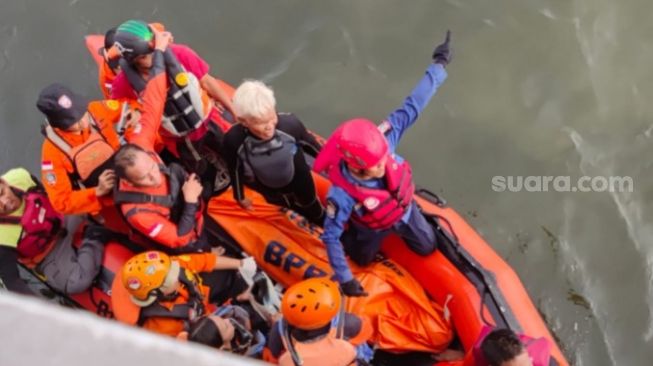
(298, 195)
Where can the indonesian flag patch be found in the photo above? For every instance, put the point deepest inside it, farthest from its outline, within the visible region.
(47, 165)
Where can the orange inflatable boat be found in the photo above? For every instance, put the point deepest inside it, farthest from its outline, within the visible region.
(466, 281)
(416, 303)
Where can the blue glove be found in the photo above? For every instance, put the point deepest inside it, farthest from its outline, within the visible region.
(364, 353)
(442, 53)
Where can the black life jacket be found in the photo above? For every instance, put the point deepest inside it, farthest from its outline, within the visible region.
(184, 108)
(270, 162)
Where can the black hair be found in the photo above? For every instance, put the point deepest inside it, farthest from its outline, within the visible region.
(109, 38)
(204, 331)
(500, 346)
(125, 157)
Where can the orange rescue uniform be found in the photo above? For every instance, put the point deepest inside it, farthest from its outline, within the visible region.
(57, 170)
(204, 262)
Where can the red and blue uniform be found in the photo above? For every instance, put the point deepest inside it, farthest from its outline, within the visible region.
(360, 242)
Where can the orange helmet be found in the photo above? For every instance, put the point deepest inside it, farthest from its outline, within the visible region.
(311, 304)
(145, 273)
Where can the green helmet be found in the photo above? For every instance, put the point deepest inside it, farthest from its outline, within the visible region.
(134, 38)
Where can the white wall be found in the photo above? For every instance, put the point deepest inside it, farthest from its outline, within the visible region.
(33, 332)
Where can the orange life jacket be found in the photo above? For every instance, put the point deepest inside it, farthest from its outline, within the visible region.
(326, 351)
(89, 159)
(169, 316)
(165, 200)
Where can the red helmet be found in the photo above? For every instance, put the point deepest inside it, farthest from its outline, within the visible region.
(361, 143)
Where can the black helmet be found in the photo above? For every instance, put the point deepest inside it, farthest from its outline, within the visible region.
(133, 38)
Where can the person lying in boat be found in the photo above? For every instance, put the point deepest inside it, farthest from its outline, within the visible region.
(265, 151)
(373, 186)
(192, 128)
(315, 330)
(34, 234)
(241, 325)
(169, 292)
(231, 328)
(503, 347)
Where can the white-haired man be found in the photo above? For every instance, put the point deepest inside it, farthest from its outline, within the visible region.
(265, 152)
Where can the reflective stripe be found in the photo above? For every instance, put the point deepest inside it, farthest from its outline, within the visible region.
(155, 230)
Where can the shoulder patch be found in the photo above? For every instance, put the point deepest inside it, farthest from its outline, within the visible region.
(112, 104)
(184, 257)
(331, 209)
(50, 178)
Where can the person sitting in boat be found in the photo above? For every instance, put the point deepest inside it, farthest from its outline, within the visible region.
(315, 330)
(161, 204)
(503, 347)
(76, 165)
(107, 58)
(34, 234)
(192, 125)
(354, 329)
(265, 151)
(373, 186)
(170, 292)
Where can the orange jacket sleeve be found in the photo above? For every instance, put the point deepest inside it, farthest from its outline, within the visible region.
(153, 102)
(198, 262)
(159, 228)
(165, 326)
(59, 188)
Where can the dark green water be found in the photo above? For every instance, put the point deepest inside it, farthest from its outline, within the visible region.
(541, 88)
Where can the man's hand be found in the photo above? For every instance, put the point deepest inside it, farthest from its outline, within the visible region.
(161, 40)
(106, 182)
(442, 53)
(192, 189)
(218, 251)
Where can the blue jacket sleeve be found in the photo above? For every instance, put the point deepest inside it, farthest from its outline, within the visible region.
(407, 114)
(339, 208)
